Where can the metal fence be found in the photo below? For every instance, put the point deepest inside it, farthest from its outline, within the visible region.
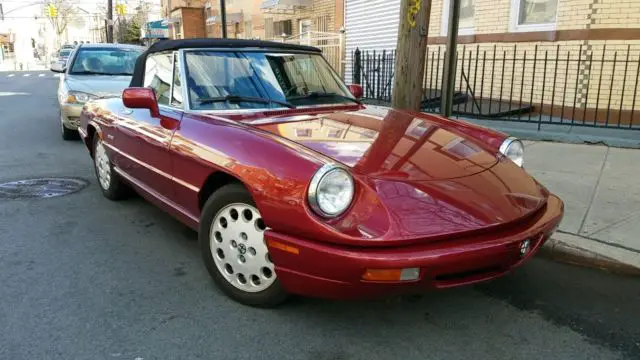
(594, 85)
(331, 44)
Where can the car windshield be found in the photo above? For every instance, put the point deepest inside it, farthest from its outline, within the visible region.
(64, 53)
(245, 80)
(104, 61)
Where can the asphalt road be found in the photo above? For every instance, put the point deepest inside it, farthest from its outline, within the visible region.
(85, 278)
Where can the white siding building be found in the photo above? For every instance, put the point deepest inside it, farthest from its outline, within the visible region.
(370, 25)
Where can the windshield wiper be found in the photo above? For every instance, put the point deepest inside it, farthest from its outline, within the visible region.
(89, 73)
(316, 95)
(239, 99)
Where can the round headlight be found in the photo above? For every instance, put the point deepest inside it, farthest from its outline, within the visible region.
(513, 149)
(331, 191)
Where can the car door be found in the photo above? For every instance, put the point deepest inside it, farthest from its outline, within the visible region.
(144, 140)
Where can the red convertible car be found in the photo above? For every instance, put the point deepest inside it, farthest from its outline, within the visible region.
(296, 187)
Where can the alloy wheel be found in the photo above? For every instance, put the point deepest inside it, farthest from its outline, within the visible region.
(238, 248)
(103, 166)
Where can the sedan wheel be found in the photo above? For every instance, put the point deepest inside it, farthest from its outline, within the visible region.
(103, 168)
(238, 248)
(234, 250)
(110, 183)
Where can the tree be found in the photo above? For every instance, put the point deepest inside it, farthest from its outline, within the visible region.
(411, 54)
(65, 14)
(129, 31)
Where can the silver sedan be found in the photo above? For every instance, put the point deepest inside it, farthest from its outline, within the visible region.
(94, 71)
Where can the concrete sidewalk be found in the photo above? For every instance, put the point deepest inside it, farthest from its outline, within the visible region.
(600, 187)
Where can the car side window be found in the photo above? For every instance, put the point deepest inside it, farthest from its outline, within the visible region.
(176, 97)
(158, 74)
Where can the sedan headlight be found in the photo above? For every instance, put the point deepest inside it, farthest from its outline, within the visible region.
(77, 97)
(331, 191)
(513, 149)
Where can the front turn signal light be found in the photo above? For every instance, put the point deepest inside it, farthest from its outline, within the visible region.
(284, 247)
(408, 274)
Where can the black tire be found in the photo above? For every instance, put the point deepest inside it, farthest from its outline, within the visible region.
(117, 189)
(230, 194)
(68, 134)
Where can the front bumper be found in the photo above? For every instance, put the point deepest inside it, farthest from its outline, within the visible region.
(329, 271)
(70, 115)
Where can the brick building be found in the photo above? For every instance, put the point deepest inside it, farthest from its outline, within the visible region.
(250, 19)
(313, 22)
(551, 54)
(185, 18)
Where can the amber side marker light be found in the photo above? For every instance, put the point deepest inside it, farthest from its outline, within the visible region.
(408, 274)
(284, 247)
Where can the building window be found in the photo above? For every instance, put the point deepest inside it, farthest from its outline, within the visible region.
(533, 15)
(248, 30)
(467, 17)
(306, 26)
(282, 27)
(268, 28)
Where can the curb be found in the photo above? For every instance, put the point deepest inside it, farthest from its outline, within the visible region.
(577, 250)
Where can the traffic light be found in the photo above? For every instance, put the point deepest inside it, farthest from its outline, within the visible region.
(50, 10)
(121, 9)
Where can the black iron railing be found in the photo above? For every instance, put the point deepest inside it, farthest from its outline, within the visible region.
(594, 85)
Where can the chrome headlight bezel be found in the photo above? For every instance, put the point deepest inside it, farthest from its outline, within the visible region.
(316, 181)
(513, 144)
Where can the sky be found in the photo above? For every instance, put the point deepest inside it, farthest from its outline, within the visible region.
(20, 16)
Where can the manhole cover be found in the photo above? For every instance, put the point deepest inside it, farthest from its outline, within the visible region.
(41, 188)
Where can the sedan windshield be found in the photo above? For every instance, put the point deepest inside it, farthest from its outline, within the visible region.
(64, 53)
(104, 61)
(261, 80)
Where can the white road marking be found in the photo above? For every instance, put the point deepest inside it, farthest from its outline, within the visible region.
(2, 93)
(41, 75)
(11, 75)
(25, 75)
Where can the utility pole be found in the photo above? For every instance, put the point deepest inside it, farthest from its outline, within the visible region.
(449, 76)
(109, 21)
(223, 18)
(411, 54)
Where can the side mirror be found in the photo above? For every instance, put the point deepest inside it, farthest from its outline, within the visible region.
(356, 90)
(57, 67)
(141, 98)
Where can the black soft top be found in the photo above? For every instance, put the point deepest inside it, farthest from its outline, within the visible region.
(170, 45)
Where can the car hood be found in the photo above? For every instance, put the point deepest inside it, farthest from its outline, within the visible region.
(375, 144)
(428, 178)
(99, 85)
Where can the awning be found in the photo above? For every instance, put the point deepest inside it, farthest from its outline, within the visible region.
(232, 18)
(170, 21)
(279, 5)
(156, 30)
